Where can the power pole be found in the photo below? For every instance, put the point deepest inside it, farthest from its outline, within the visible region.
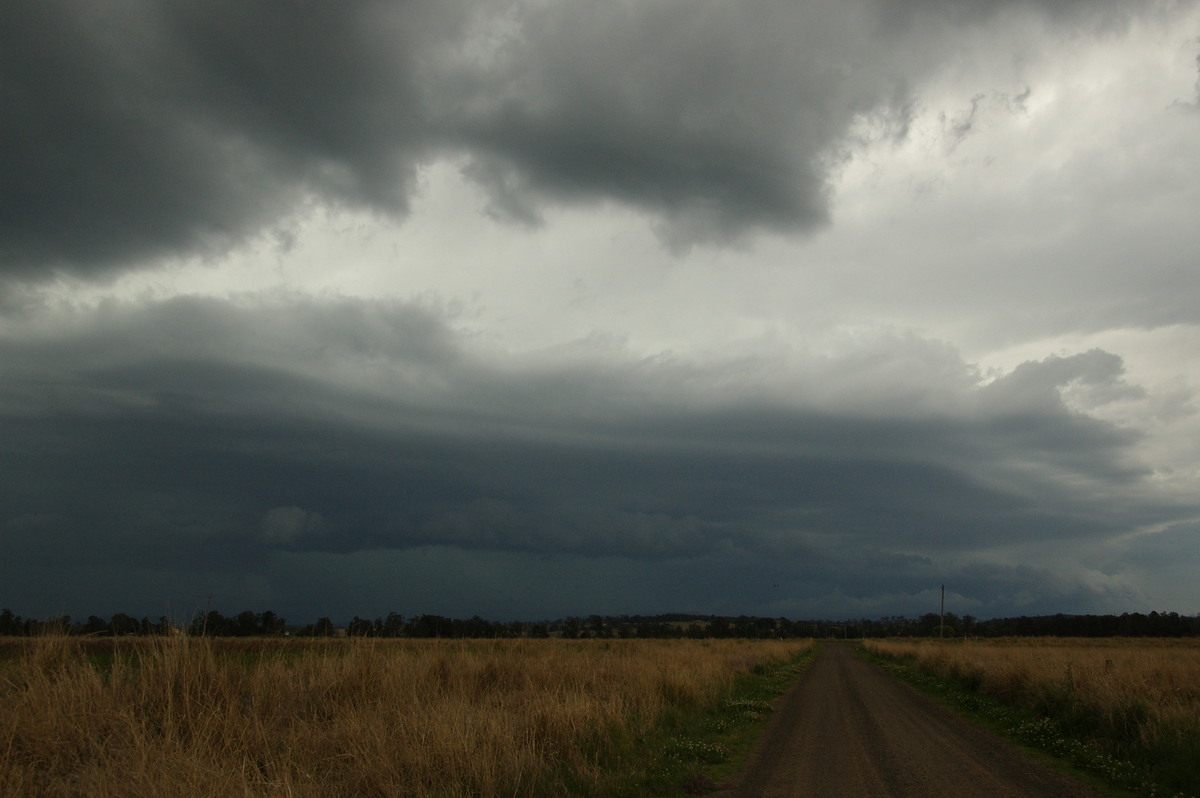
(942, 619)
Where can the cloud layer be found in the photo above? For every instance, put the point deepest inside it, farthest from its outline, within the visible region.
(340, 427)
(135, 132)
(526, 309)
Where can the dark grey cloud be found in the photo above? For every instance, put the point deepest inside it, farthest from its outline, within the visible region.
(352, 456)
(141, 439)
(713, 117)
(137, 131)
(718, 119)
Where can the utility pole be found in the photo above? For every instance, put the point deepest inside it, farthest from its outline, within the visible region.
(942, 619)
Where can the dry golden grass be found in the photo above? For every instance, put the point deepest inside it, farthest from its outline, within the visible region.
(1141, 696)
(191, 717)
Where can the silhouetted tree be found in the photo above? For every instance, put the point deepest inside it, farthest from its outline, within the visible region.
(271, 624)
(95, 625)
(123, 624)
(393, 625)
(359, 627)
(571, 628)
(246, 624)
(597, 627)
(719, 627)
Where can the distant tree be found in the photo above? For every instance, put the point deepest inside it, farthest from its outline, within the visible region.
(571, 628)
(122, 624)
(359, 627)
(393, 625)
(597, 627)
(95, 625)
(245, 624)
(213, 624)
(719, 627)
(271, 624)
(60, 625)
(10, 624)
(323, 628)
(477, 627)
(785, 628)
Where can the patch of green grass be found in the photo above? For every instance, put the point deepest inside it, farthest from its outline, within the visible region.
(1051, 729)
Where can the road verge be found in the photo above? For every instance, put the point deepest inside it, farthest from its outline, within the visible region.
(1047, 738)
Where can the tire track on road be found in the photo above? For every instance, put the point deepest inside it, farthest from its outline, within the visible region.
(848, 730)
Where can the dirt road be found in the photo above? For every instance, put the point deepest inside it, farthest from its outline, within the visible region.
(848, 729)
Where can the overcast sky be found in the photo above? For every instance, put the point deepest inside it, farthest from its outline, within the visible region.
(547, 307)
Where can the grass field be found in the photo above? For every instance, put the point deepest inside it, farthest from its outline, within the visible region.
(1131, 706)
(194, 717)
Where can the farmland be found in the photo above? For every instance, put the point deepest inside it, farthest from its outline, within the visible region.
(190, 716)
(1127, 709)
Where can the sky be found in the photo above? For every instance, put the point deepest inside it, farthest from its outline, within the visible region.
(537, 308)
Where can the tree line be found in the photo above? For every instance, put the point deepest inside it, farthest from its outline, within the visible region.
(262, 624)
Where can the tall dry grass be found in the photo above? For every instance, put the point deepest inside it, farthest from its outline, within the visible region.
(193, 717)
(1139, 697)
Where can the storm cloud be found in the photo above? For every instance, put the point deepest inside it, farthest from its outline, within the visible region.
(342, 427)
(136, 132)
(527, 309)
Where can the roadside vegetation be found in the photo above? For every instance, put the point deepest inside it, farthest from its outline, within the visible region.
(1127, 710)
(188, 716)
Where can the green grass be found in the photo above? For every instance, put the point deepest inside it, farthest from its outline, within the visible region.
(1052, 731)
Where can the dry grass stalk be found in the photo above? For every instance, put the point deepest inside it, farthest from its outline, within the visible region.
(1139, 691)
(190, 717)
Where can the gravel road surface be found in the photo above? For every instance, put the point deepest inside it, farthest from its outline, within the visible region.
(847, 729)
